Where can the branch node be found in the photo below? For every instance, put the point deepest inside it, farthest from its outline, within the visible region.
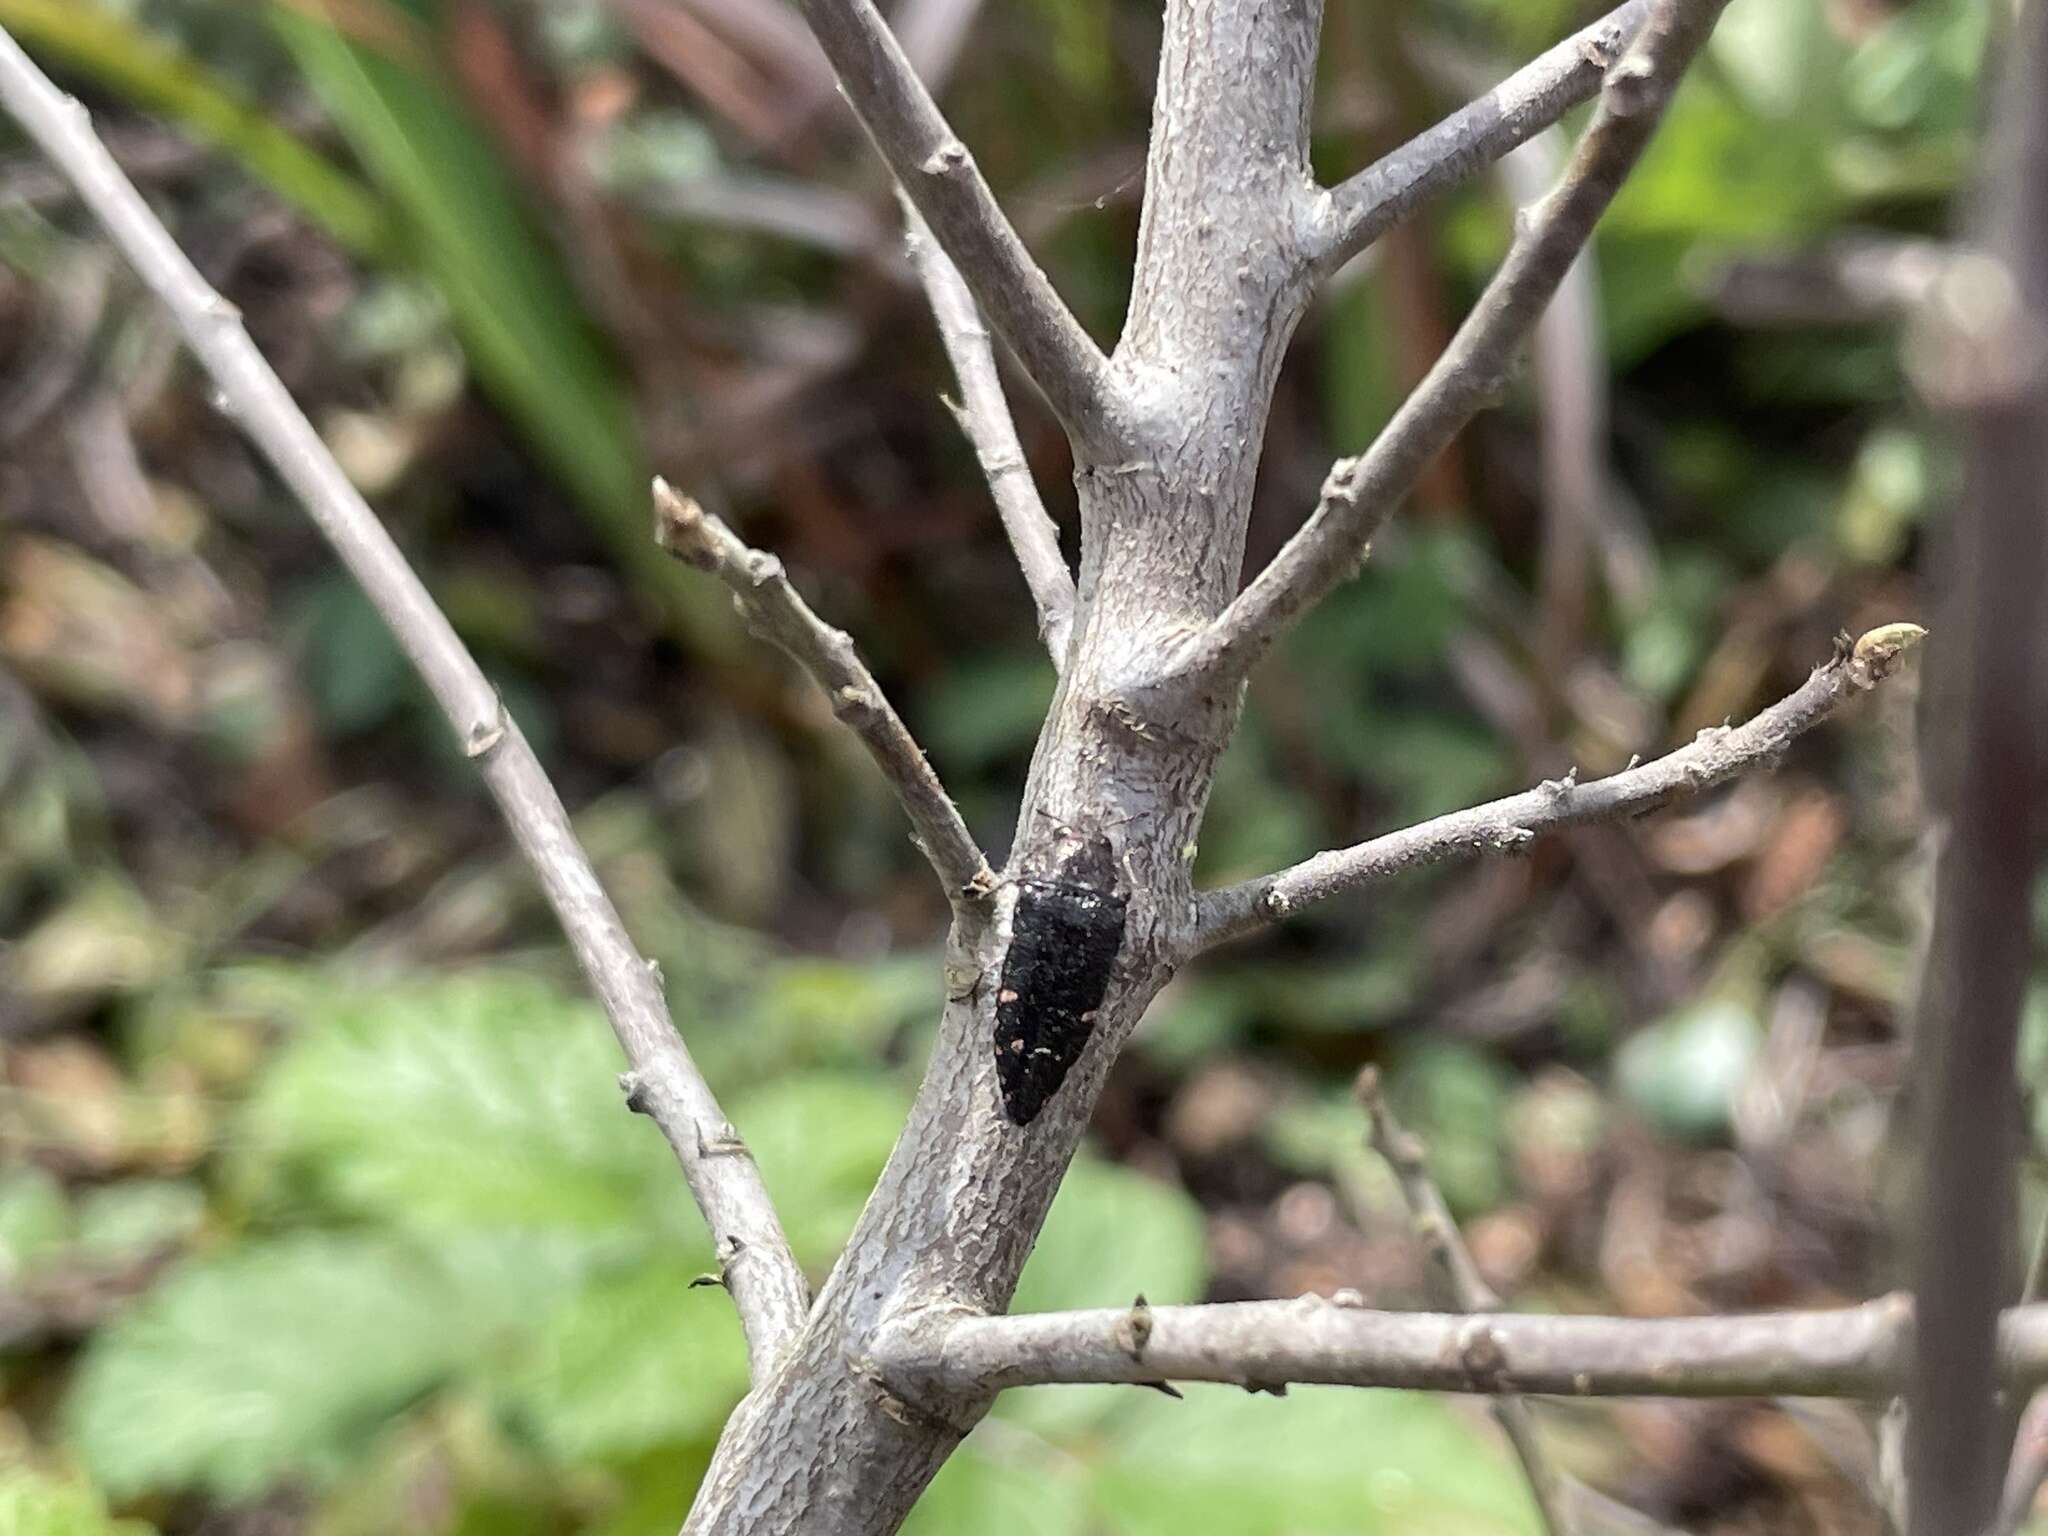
(1134, 1332)
(1631, 85)
(949, 159)
(634, 1086)
(482, 738)
(1484, 1358)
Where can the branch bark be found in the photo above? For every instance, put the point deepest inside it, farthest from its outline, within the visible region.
(775, 609)
(1859, 1351)
(1982, 351)
(1358, 210)
(984, 416)
(1472, 371)
(1507, 826)
(664, 1082)
(940, 177)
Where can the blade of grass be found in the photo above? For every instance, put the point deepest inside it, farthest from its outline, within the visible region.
(154, 73)
(513, 305)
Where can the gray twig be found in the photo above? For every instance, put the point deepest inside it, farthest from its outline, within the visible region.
(1858, 1351)
(1507, 826)
(940, 177)
(984, 416)
(778, 612)
(767, 1286)
(1358, 210)
(1472, 371)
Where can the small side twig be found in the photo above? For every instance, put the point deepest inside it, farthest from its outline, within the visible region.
(1472, 371)
(1457, 1286)
(768, 1288)
(1358, 210)
(940, 177)
(778, 612)
(984, 417)
(1511, 825)
(1858, 1351)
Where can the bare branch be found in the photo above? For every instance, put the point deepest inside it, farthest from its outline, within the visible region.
(984, 416)
(664, 1083)
(778, 612)
(940, 177)
(1982, 351)
(1458, 1286)
(1357, 211)
(1506, 826)
(1361, 492)
(1857, 1351)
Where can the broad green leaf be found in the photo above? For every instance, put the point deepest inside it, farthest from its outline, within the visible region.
(631, 1359)
(1323, 1460)
(480, 1100)
(157, 75)
(1111, 1233)
(34, 1505)
(821, 1139)
(280, 1358)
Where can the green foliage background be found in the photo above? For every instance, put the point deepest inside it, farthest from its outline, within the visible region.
(408, 1265)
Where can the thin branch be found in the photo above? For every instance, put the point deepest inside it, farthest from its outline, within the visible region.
(767, 1286)
(1982, 351)
(984, 416)
(1457, 1286)
(1506, 826)
(1357, 211)
(1473, 369)
(940, 177)
(1858, 1351)
(778, 612)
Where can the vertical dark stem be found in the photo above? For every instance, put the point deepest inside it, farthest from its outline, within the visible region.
(1988, 356)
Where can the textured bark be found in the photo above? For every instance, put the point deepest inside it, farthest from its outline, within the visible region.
(859, 1400)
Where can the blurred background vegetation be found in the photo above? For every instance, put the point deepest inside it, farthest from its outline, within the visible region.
(318, 1212)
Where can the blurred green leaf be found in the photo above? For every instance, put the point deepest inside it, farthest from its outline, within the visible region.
(136, 1217)
(35, 1220)
(157, 75)
(281, 1357)
(1325, 1460)
(633, 1358)
(1456, 1098)
(480, 1100)
(34, 1505)
(821, 1139)
(1113, 1232)
(1684, 1071)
